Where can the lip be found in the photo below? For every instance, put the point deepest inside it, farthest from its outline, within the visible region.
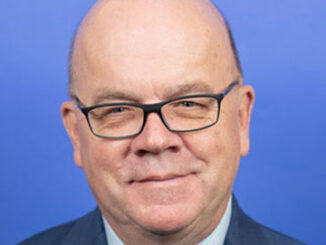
(160, 178)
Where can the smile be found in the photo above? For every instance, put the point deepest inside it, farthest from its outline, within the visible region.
(163, 180)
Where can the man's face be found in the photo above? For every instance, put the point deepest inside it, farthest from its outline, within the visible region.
(158, 181)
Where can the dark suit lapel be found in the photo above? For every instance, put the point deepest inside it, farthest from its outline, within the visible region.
(240, 229)
(233, 231)
(245, 231)
(100, 239)
(89, 230)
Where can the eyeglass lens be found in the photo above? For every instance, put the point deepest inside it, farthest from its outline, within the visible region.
(179, 115)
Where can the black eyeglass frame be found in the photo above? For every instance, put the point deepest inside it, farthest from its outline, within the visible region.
(156, 108)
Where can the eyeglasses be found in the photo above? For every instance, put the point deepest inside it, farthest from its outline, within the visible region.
(183, 114)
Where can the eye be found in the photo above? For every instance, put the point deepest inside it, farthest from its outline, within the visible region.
(108, 112)
(117, 109)
(187, 103)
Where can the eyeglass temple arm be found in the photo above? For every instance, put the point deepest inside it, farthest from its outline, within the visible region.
(77, 101)
(231, 86)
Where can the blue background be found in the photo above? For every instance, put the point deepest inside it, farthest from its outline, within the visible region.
(282, 46)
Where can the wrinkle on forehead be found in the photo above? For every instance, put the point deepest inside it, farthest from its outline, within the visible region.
(124, 32)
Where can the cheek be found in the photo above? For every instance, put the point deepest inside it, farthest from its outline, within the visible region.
(216, 143)
(103, 164)
(219, 148)
(103, 159)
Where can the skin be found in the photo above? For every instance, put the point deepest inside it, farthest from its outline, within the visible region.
(159, 187)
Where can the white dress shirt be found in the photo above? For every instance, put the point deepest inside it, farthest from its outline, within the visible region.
(217, 237)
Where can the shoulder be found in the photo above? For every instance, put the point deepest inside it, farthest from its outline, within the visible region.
(51, 236)
(265, 235)
(72, 230)
(244, 230)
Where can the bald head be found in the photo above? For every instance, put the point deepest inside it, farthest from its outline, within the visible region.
(115, 28)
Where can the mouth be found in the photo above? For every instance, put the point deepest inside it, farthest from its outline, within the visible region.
(163, 190)
(161, 178)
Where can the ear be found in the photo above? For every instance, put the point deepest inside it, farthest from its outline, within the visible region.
(70, 121)
(247, 97)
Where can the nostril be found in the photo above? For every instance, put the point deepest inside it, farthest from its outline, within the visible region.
(173, 149)
(142, 152)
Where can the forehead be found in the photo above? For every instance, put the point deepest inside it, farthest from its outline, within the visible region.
(142, 44)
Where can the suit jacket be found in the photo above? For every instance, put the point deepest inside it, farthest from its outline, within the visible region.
(89, 230)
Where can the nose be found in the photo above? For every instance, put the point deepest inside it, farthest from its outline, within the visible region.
(155, 138)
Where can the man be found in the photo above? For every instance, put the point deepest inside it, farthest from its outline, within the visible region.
(159, 119)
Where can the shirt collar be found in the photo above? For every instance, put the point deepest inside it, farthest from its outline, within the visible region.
(217, 237)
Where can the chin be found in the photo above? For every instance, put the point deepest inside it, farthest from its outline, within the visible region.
(168, 220)
(165, 232)
(166, 207)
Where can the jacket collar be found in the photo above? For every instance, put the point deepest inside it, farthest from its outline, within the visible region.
(242, 229)
(88, 230)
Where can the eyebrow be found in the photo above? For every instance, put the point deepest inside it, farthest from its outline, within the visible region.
(111, 94)
(185, 88)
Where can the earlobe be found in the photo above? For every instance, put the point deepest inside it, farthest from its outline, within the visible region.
(246, 104)
(69, 119)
